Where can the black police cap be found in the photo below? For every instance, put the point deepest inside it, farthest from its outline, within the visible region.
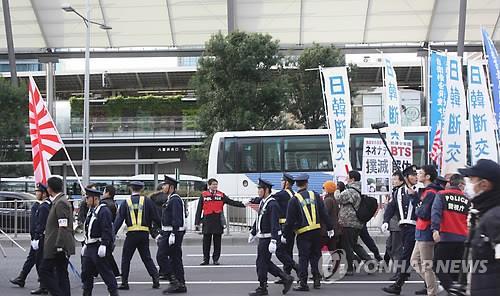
(169, 180)
(92, 192)
(302, 177)
(441, 180)
(264, 183)
(484, 169)
(41, 187)
(410, 170)
(288, 177)
(137, 184)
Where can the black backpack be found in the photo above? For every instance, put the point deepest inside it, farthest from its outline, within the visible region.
(367, 207)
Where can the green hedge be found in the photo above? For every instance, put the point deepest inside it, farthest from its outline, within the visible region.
(137, 106)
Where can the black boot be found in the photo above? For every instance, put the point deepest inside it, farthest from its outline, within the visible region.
(260, 291)
(87, 293)
(317, 281)
(165, 276)
(113, 293)
(39, 291)
(396, 287)
(20, 280)
(156, 282)
(302, 287)
(287, 281)
(124, 285)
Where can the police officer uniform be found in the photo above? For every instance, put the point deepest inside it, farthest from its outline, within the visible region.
(98, 229)
(306, 212)
(403, 206)
(209, 212)
(284, 252)
(268, 230)
(111, 204)
(173, 229)
(138, 212)
(160, 198)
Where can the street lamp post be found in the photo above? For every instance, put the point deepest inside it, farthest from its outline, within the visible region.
(86, 87)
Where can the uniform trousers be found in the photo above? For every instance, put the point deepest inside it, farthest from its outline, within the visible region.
(171, 256)
(445, 256)
(137, 240)
(54, 275)
(31, 260)
(93, 264)
(284, 252)
(264, 263)
(309, 245)
(407, 246)
(207, 241)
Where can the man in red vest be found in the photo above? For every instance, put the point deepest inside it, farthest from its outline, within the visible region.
(449, 229)
(209, 212)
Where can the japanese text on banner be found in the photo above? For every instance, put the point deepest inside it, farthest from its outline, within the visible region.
(392, 102)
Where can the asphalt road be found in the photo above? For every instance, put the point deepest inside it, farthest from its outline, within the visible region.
(235, 276)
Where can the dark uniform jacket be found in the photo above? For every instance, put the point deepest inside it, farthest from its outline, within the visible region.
(283, 197)
(99, 226)
(485, 236)
(159, 198)
(392, 208)
(83, 209)
(267, 223)
(212, 223)
(111, 204)
(56, 237)
(295, 218)
(173, 214)
(34, 208)
(149, 214)
(41, 219)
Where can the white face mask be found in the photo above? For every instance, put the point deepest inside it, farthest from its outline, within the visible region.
(469, 190)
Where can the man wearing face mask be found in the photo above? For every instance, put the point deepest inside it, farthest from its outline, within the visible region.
(483, 188)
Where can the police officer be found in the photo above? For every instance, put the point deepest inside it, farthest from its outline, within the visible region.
(138, 212)
(284, 252)
(160, 198)
(483, 188)
(38, 220)
(268, 230)
(403, 206)
(172, 233)
(306, 213)
(98, 229)
(108, 198)
(209, 212)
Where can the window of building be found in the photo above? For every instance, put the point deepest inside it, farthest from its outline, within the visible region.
(271, 151)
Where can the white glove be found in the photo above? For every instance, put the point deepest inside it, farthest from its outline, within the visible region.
(272, 246)
(82, 252)
(251, 238)
(101, 252)
(157, 238)
(384, 227)
(34, 244)
(497, 251)
(330, 233)
(283, 240)
(171, 239)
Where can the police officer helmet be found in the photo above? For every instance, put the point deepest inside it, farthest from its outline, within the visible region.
(264, 184)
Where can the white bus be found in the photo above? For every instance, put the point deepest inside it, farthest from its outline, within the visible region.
(238, 159)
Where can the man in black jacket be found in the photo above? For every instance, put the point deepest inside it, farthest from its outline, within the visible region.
(209, 212)
(108, 198)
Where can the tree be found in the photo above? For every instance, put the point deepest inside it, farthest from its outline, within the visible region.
(240, 86)
(306, 102)
(14, 115)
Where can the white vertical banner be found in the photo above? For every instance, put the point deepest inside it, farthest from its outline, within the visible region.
(454, 127)
(338, 103)
(392, 102)
(481, 117)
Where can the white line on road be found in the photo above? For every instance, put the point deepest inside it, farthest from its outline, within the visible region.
(270, 282)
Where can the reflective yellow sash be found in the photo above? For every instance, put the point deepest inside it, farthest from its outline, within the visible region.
(310, 216)
(136, 223)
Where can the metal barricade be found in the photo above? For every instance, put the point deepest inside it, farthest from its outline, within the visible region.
(15, 216)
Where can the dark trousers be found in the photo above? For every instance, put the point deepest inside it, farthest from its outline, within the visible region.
(309, 245)
(451, 252)
(174, 254)
(29, 263)
(162, 256)
(93, 264)
(407, 245)
(264, 263)
(393, 246)
(207, 241)
(54, 275)
(368, 241)
(350, 243)
(284, 253)
(39, 259)
(137, 240)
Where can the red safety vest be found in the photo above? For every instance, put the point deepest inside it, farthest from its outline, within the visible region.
(455, 210)
(421, 223)
(212, 203)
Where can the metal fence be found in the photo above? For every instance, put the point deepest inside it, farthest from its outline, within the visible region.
(15, 216)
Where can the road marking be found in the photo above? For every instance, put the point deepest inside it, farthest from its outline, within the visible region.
(250, 255)
(269, 282)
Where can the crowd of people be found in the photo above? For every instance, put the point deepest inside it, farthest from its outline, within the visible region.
(433, 222)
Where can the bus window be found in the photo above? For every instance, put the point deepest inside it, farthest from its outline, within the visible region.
(271, 150)
(121, 187)
(307, 154)
(226, 158)
(248, 155)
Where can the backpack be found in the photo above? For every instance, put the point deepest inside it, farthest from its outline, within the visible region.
(367, 207)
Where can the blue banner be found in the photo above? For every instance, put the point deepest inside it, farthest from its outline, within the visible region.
(438, 93)
(494, 69)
